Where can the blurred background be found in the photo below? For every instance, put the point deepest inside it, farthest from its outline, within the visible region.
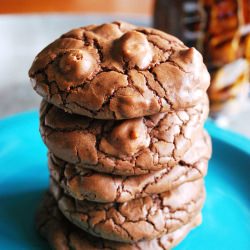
(220, 29)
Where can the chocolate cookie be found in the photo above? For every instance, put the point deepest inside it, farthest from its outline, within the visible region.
(90, 185)
(128, 147)
(119, 71)
(62, 235)
(140, 219)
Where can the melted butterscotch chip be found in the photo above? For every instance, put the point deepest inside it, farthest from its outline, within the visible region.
(136, 49)
(119, 142)
(78, 64)
(134, 134)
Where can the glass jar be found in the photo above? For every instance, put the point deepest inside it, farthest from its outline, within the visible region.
(220, 30)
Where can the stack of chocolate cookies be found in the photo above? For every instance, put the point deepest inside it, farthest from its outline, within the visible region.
(122, 117)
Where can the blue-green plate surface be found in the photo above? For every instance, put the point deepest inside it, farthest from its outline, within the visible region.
(24, 178)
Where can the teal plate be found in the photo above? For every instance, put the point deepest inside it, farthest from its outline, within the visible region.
(24, 178)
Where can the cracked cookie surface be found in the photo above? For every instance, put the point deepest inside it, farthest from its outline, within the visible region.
(140, 219)
(128, 147)
(61, 234)
(90, 185)
(119, 71)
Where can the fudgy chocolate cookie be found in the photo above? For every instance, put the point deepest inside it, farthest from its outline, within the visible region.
(128, 147)
(140, 219)
(90, 185)
(62, 235)
(119, 71)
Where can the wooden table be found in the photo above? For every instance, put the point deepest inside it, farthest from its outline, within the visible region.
(77, 6)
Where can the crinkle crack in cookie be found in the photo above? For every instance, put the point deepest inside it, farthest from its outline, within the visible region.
(140, 219)
(119, 71)
(128, 147)
(90, 185)
(60, 234)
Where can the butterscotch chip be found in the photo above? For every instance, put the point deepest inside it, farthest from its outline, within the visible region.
(119, 71)
(61, 234)
(129, 147)
(90, 185)
(139, 219)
